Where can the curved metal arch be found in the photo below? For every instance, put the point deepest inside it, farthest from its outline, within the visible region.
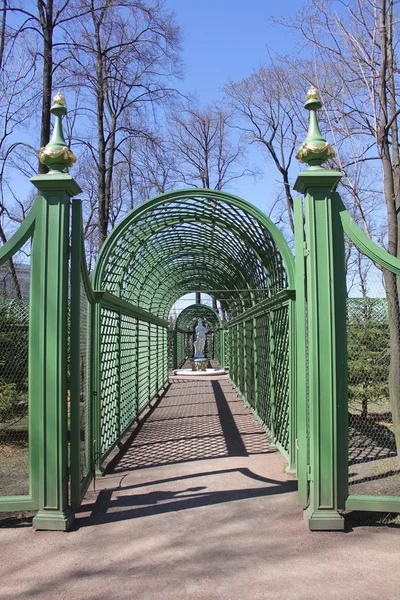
(215, 256)
(193, 312)
(176, 270)
(266, 265)
(153, 203)
(152, 256)
(234, 301)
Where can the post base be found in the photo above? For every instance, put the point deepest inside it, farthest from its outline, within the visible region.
(323, 520)
(291, 469)
(54, 520)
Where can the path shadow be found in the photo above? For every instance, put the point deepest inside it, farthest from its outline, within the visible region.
(110, 507)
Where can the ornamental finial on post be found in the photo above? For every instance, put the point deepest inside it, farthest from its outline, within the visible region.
(56, 155)
(315, 150)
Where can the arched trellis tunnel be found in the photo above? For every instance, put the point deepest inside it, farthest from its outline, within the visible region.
(204, 241)
(86, 356)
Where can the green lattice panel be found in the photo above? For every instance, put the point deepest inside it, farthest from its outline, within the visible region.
(153, 366)
(161, 357)
(233, 353)
(128, 371)
(280, 329)
(263, 369)
(180, 341)
(241, 357)
(189, 341)
(217, 346)
(85, 385)
(170, 342)
(143, 364)
(14, 400)
(249, 355)
(227, 350)
(109, 378)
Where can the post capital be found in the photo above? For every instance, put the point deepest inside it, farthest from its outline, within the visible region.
(56, 182)
(317, 177)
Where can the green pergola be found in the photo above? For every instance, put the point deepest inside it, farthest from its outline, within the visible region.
(101, 348)
(195, 240)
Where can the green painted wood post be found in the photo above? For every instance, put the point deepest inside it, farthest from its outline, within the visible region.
(301, 415)
(56, 189)
(326, 318)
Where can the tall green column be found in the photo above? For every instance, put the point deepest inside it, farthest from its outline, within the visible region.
(50, 315)
(326, 321)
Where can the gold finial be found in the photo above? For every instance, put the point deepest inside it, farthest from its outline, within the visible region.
(313, 93)
(59, 99)
(315, 150)
(56, 155)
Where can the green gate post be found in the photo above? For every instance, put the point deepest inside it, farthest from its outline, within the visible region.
(326, 317)
(50, 351)
(301, 413)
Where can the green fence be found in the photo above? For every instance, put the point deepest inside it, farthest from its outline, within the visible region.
(261, 358)
(133, 367)
(20, 403)
(81, 363)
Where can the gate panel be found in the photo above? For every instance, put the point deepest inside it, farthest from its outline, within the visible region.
(280, 332)
(260, 367)
(109, 430)
(19, 405)
(374, 467)
(373, 342)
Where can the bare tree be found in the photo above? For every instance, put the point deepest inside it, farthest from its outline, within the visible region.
(124, 55)
(17, 72)
(267, 111)
(39, 26)
(206, 155)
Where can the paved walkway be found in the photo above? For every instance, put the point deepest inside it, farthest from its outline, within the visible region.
(199, 507)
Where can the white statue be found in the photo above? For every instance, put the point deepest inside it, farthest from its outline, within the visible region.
(200, 341)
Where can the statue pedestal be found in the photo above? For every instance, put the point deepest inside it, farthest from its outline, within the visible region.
(199, 364)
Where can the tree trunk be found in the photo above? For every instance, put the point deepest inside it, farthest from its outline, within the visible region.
(390, 187)
(45, 12)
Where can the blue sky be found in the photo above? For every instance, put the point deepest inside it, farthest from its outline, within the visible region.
(226, 40)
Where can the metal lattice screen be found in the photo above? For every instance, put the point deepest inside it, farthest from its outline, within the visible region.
(85, 412)
(108, 379)
(227, 350)
(218, 341)
(259, 368)
(133, 369)
(14, 402)
(181, 348)
(373, 336)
